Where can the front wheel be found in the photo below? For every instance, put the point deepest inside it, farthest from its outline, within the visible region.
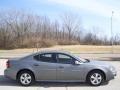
(25, 78)
(95, 78)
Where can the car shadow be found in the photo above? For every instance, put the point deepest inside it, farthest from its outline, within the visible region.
(8, 82)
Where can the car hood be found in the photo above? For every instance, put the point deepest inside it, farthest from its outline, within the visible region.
(100, 63)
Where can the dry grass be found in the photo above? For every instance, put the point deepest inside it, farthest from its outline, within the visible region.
(71, 48)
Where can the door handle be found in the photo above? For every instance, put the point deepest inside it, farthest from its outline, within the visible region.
(36, 64)
(61, 67)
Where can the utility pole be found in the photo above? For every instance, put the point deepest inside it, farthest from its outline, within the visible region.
(112, 31)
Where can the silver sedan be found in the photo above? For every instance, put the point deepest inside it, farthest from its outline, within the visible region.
(58, 66)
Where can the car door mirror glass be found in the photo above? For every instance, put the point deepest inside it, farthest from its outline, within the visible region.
(77, 63)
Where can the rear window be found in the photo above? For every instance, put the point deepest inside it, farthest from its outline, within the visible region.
(47, 57)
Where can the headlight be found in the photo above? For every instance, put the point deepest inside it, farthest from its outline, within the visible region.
(112, 69)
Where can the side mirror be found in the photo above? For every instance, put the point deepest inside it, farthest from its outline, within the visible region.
(77, 63)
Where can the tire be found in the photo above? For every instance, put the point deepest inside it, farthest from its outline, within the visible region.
(95, 78)
(26, 78)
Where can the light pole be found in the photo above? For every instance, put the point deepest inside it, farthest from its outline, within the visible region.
(112, 31)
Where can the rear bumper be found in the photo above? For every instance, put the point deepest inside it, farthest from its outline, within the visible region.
(8, 73)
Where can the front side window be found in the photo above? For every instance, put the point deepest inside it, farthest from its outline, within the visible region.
(64, 59)
(47, 57)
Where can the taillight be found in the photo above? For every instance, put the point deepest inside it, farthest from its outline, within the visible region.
(8, 64)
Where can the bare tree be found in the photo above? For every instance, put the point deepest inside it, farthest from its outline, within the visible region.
(71, 24)
(22, 30)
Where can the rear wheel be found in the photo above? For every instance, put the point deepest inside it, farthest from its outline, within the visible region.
(95, 78)
(25, 78)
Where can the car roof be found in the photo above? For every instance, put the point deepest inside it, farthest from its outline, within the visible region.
(47, 51)
(53, 51)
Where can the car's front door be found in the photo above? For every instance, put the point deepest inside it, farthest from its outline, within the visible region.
(45, 66)
(66, 69)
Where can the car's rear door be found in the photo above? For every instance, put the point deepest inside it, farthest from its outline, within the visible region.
(45, 66)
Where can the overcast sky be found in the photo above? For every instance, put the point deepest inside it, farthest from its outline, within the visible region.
(93, 13)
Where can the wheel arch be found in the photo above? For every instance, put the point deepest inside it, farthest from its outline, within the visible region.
(96, 70)
(25, 70)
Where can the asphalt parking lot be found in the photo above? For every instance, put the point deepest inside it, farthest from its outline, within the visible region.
(6, 84)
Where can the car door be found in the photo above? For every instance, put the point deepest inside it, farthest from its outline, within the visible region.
(45, 66)
(67, 70)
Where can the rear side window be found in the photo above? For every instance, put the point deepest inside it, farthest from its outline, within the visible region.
(47, 57)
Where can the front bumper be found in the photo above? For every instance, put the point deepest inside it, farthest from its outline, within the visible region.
(111, 75)
(114, 74)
